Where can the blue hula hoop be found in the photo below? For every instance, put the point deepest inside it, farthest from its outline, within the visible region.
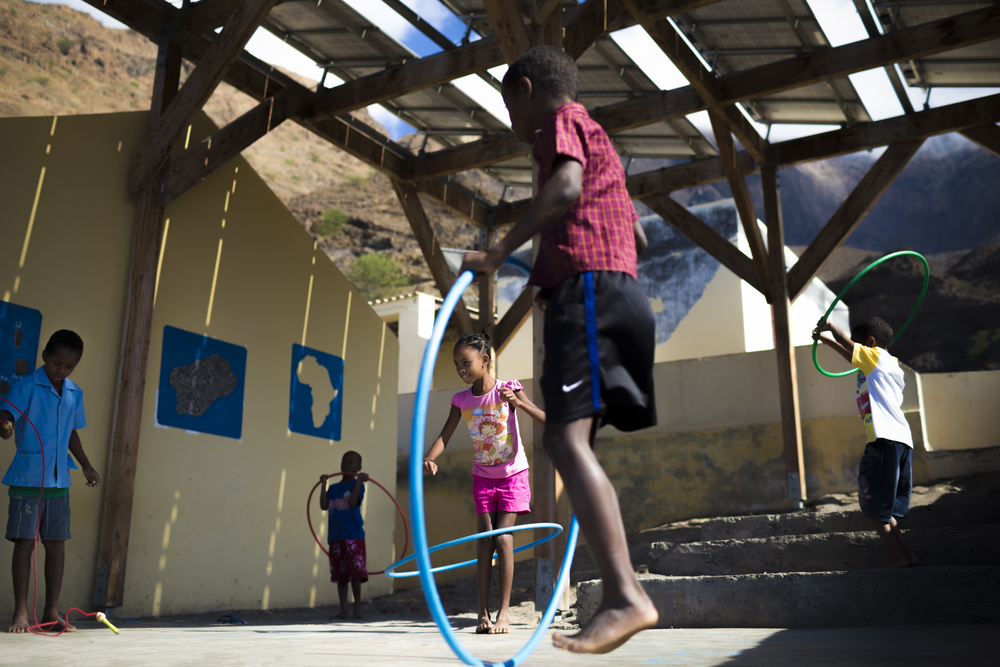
(391, 570)
(420, 547)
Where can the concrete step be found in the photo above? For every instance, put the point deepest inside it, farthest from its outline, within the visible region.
(966, 545)
(812, 522)
(913, 596)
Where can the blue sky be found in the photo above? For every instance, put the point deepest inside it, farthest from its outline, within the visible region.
(838, 18)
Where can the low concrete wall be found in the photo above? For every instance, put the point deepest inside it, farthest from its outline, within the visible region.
(960, 410)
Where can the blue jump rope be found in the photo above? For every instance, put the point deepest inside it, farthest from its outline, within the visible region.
(421, 549)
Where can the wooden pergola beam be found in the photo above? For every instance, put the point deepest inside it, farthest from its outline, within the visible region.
(835, 62)
(409, 77)
(788, 383)
(683, 176)
(703, 81)
(865, 136)
(711, 241)
(505, 17)
(513, 319)
(207, 15)
(426, 239)
(916, 42)
(741, 195)
(987, 136)
(226, 143)
(123, 452)
(199, 86)
(849, 215)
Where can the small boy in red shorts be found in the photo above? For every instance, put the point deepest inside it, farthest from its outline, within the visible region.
(599, 328)
(346, 531)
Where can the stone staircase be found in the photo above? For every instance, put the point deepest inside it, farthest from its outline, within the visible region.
(813, 569)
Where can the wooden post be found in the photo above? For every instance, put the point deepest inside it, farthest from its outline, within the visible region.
(788, 384)
(487, 297)
(116, 516)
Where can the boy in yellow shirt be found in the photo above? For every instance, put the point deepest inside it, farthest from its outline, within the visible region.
(885, 476)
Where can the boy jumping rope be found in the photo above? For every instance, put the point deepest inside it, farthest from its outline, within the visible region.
(599, 328)
(885, 476)
(54, 404)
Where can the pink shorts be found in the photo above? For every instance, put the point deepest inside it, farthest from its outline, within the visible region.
(504, 494)
(347, 561)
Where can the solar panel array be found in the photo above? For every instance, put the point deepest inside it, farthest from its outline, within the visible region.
(730, 36)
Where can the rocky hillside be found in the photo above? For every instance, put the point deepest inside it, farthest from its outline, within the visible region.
(55, 60)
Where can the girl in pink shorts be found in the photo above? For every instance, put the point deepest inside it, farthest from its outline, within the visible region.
(500, 487)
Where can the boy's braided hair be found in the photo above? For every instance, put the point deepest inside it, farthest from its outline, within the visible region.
(546, 66)
(875, 327)
(66, 339)
(479, 341)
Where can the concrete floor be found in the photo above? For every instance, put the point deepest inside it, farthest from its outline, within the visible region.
(413, 644)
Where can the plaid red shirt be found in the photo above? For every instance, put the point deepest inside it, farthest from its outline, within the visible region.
(596, 233)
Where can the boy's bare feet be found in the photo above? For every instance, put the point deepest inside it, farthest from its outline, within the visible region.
(609, 628)
(56, 623)
(356, 615)
(485, 626)
(502, 625)
(19, 623)
(344, 614)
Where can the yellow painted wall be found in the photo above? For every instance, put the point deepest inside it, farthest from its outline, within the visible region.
(961, 409)
(217, 523)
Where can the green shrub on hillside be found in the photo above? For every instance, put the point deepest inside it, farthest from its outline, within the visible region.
(357, 181)
(65, 45)
(332, 222)
(375, 275)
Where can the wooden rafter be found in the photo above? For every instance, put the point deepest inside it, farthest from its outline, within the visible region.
(741, 195)
(832, 63)
(916, 42)
(703, 81)
(426, 239)
(487, 285)
(919, 125)
(226, 143)
(409, 77)
(513, 319)
(123, 452)
(199, 86)
(788, 386)
(207, 15)
(543, 10)
(716, 245)
(508, 24)
(922, 124)
(849, 215)
(987, 136)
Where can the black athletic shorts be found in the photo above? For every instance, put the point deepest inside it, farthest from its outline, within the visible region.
(599, 343)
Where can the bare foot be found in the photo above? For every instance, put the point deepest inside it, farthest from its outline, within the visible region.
(19, 623)
(356, 615)
(609, 629)
(502, 626)
(485, 626)
(56, 623)
(343, 615)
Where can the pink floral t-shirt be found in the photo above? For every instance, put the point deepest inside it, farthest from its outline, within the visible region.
(494, 432)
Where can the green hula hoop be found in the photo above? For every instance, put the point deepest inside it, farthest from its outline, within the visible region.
(920, 300)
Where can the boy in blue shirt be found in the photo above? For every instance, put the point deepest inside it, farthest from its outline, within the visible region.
(347, 533)
(54, 404)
